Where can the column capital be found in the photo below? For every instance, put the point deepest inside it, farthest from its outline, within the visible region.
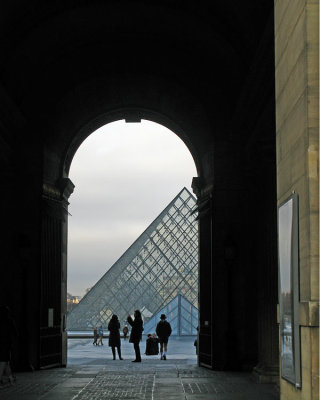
(201, 188)
(196, 185)
(66, 188)
(60, 191)
(204, 193)
(55, 197)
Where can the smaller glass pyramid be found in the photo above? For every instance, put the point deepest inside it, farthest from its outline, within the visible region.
(180, 313)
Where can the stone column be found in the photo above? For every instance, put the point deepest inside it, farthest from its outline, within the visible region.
(234, 338)
(204, 203)
(267, 369)
(227, 338)
(66, 189)
(53, 272)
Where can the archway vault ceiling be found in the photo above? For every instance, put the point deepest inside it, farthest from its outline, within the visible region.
(185, 60)
(21, 18)
(45, 44)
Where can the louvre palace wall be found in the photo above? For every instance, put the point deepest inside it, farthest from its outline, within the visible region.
(297, 121)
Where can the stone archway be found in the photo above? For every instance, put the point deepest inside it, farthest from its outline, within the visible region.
(57, 187)
(60, 80)
(229, 337)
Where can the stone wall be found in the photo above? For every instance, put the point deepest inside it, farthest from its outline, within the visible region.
(297, 124)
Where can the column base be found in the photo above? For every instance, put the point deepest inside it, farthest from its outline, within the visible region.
(264, 373)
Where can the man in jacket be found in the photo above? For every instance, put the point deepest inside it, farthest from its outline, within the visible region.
(163, 330)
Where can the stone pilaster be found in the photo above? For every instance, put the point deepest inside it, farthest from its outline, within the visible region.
(54, 272)
(205, 331)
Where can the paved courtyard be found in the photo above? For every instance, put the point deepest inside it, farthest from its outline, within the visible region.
(92, 374)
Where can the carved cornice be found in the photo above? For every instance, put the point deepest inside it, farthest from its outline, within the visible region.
(59, 192)
(55, 198)
(50, 192)
(201, 189)
(196, 185)
(66, 188)
(204, 193)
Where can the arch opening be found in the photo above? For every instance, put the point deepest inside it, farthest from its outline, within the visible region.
(130, 173)
(129, 115)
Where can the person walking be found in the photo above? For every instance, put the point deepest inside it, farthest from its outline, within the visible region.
(163, 331)
(95, 335)
(114, 336)
(136, 333)
(7, 333)
(100, 334)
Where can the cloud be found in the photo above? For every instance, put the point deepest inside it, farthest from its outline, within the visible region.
(125, 175)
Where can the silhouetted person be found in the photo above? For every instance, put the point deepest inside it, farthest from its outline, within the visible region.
(196, 341)
(100, 334)
(95, 335)
(163, 330)
(125, 331)
(7, 333)
(152, 345)
(136, 333)
(114, 337)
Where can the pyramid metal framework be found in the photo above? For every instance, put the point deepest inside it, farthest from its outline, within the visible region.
(159, 265)
(180, 313)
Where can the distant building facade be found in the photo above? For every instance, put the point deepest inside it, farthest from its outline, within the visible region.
(72, 301)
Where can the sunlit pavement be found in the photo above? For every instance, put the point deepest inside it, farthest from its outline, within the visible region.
(92, 374)
(81, 351)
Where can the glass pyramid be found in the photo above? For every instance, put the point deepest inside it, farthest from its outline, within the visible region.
(182, 315)
(161, 264)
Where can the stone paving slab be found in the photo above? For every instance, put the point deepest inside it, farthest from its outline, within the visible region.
(145, 382)
(168, 397)
(76, 382)
(167, 380)
(152, 379)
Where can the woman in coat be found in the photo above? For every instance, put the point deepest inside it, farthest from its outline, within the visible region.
(114, 336)
(136, 333)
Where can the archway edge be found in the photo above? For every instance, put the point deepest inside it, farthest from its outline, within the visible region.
(87, 107)
(131, 115)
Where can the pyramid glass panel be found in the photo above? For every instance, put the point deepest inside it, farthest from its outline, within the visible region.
(181, 314)
(160, 265)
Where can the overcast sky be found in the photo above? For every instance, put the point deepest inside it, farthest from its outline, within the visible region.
(124, 176)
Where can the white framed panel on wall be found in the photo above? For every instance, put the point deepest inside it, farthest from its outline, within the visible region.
(288, 242)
